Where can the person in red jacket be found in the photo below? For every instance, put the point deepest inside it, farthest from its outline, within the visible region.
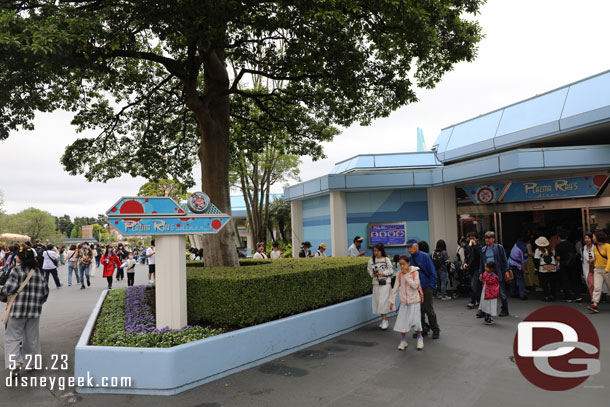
(491, 292)
(109, 261)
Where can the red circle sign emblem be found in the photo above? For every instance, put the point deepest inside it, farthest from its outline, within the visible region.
(556, 348)
(485, 195)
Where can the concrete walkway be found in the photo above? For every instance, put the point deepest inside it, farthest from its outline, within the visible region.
(469, 366)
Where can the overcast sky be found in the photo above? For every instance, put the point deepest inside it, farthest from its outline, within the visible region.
(531, 46)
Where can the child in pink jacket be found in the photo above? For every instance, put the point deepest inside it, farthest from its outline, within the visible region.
(409, 314)
(491, 292)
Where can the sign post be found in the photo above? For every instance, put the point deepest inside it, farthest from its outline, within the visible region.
(168, 222)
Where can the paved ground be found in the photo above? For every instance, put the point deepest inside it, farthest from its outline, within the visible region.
(469, 366)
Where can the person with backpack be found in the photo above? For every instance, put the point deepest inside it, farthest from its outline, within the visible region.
(85, 258)
(496, 253)
(517, 259)
(49, 265)
(427, 279)
(25, 292)
(440, 259)
(305, 250)
(567, 259)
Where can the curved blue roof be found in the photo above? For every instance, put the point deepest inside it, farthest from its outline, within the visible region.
(581, 104)
(365, 162)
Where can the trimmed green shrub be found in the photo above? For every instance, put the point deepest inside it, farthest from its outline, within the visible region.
(110, 328)
(244, 296)
(242, 262)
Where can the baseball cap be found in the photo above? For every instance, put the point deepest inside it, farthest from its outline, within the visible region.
(357, 239)
(411, 242)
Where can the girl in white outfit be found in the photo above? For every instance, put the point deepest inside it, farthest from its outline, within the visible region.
(380, 269)
(409, 314)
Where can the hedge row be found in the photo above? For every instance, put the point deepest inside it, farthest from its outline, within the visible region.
(244, 296)
(110, 328)
(242, 262)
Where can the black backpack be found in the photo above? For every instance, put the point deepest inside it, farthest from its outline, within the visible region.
(437, 259)
(39, 256)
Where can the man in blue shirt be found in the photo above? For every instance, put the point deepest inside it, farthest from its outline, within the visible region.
(517, 257)
(495, 252)
(427, 280)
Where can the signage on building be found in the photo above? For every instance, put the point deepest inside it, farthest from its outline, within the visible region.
(136, 216)
(567, 187)
(484, 194)
(390, 234)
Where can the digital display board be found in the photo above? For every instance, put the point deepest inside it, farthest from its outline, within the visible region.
(390, 234)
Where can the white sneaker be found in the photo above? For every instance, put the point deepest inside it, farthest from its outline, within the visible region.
(420, 343)
(403, 345)
(385, 324)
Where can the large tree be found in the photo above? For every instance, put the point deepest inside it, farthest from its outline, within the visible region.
(153, 77)
(164, 187)
(35, 223)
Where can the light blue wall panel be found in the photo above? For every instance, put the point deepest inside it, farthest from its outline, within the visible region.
(311, 187)
(520, 160)
(542, 112)
(379, 180)
(471, 169)
(473, 131)
(588, 95)
(387, 206)
(336, 182)
(316, 223)
(582, 157)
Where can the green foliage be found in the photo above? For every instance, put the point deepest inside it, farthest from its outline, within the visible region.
(33, 222)
(110, 328)
(165, 187)
(244, 296)
(163, 65)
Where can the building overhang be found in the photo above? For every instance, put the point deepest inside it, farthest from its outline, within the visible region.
(530, 162)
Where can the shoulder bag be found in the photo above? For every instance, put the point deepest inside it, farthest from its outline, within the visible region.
(11, 298)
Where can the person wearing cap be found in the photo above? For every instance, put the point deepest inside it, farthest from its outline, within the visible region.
(546, 263)
(321, 251)
(427, 280)
(496, 253)
(305, 250)
(473, 259)
(354, 249)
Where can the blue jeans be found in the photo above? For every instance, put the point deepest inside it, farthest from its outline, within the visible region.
(83, 270)
(444, 274)
(70, 270)
(520, 279)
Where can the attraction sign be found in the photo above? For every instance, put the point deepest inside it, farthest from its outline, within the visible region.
(136, 216)
(556, 188)
(390, 234)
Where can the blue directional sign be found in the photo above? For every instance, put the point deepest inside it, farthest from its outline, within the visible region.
(136, 216)
(568, 187)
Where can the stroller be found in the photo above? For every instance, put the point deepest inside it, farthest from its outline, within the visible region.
(462, 277)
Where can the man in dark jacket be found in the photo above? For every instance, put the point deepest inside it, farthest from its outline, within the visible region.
(496, 253)
(427, 280)
(472, 253)
(565, 253)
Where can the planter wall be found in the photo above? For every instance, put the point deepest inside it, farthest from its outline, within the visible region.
(167, 371)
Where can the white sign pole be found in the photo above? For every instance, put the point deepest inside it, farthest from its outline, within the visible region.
(170, 284)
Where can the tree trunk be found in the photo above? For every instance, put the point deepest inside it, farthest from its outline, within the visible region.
(212, 114)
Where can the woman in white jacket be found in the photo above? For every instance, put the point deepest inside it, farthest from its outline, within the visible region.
(409, 314)
(380, 269)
